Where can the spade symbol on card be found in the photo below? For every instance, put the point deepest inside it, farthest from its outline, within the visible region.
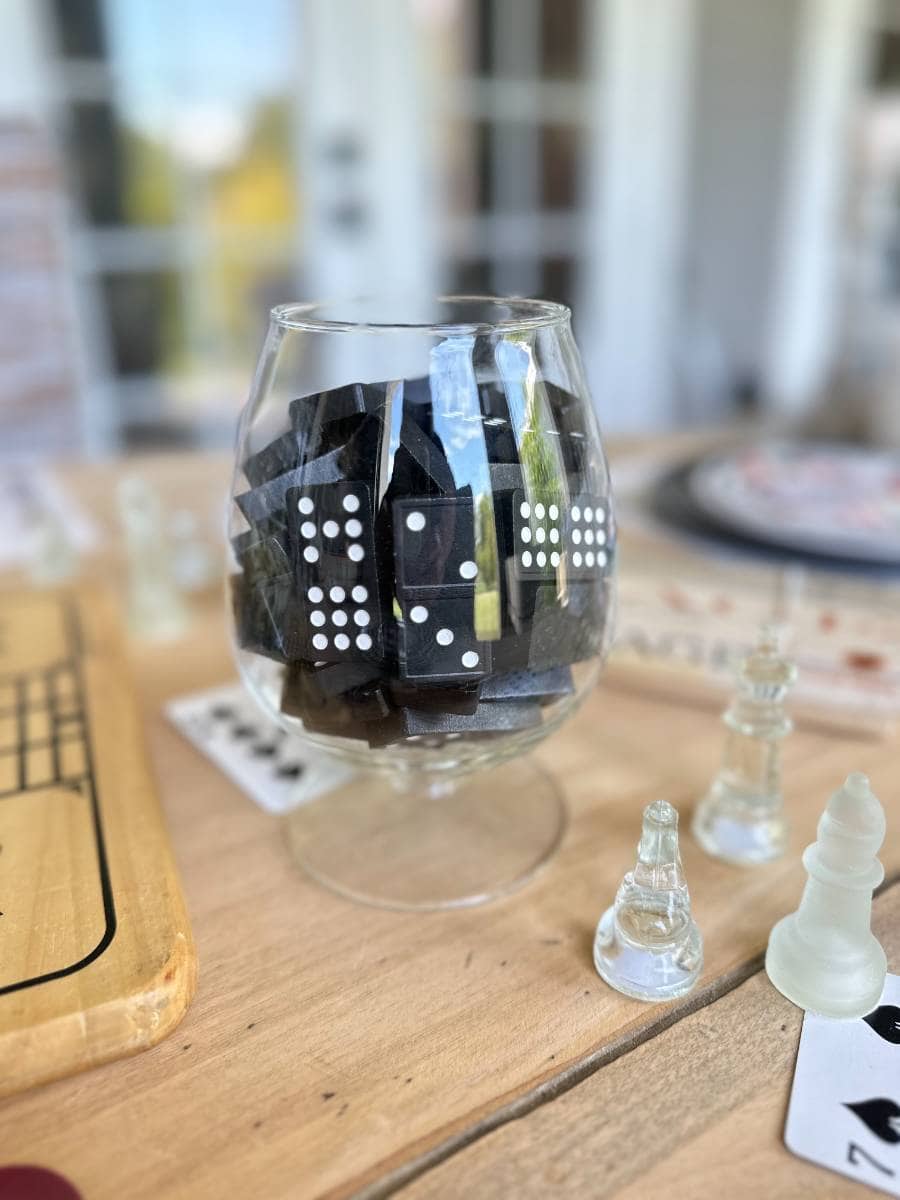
(882, 1117)
(885, 1020)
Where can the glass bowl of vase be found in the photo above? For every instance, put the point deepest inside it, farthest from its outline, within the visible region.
(422, 581)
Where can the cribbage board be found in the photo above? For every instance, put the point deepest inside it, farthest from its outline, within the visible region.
(96, 955)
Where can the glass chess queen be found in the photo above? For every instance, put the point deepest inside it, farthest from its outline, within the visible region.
(423, 548)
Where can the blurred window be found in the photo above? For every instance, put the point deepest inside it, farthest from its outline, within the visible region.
(562, 36)
(143, 312)
(187, 202)
(79, 26)
(520, 106)
(179, 156)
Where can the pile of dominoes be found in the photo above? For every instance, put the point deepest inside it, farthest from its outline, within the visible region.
(426, 560)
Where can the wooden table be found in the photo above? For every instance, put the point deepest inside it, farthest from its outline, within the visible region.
(335, 1050)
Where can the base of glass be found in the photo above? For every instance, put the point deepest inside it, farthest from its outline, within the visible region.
(736, 834)
(845, 987)
(419, 844)
(658, 974)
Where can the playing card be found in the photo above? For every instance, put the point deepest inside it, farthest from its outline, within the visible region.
(276, 771)
(844, 1112)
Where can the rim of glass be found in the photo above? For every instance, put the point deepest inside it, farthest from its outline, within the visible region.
(534, 314)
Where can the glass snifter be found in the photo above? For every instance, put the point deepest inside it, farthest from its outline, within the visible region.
(421, 581)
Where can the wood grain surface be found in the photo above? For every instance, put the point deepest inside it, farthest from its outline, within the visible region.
(96, 956)
(336, 1050)
(697, 1110)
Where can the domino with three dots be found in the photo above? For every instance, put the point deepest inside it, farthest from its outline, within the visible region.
(438, 643)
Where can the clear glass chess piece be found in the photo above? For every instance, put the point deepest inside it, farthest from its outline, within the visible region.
(648, 944)
(824, 957)
(741, 818)
(155, 608)
(53, 559)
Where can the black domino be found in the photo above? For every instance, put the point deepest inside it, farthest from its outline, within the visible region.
(488, 720)
(434, 546)
(438, 643)
(543, 686)
(588, 536)
(331, 530)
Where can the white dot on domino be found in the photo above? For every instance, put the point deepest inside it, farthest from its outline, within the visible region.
(526, 558)
(353, 528)
(541, 559)
(576, 536)
(554, 536)
(468, 569)
(416, 521)
(331, 529)
(308, 529)
(337, 595)
(355, 552)
(525, 509)
(554, 512)
(444, 637)
(554, 559)
(526, 534)
(541, 534)
(305, 505)
(589, 537)
(351, 503)
(576, 558)
(589, 558)
(418, 613)
(316, 595)
(341, 641)
(363, 641)
(339, 617)
(361, 617)
(317, 618)
(360, 594)
(539, 511)
(320, 641)
(311, 554)
(470, 659)
(576, 513)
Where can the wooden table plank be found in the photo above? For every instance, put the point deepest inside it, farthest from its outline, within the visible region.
(332, 1047)
(703, 1104)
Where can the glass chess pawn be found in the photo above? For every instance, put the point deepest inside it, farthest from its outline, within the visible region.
(741, 818)
(647, 945)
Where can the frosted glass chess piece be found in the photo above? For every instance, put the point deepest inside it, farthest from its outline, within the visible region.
(648, 945)
(824, 957)
(741, 818)
(155, 608)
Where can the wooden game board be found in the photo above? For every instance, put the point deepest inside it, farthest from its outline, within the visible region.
(96, 956)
